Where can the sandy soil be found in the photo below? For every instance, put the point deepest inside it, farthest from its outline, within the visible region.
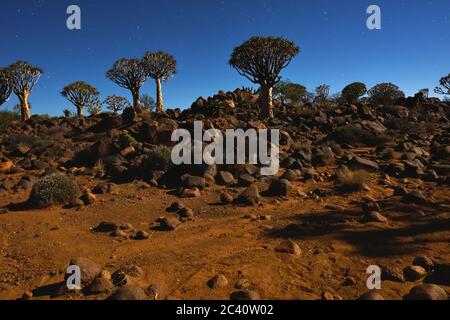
(36, 245)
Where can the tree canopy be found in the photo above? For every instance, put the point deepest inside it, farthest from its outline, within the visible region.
(353, 92)
(116, 103)
(22, 77)
(261, 59)
(5, 88)
(444, 87)
(81, 95)
(160, 65)
(385, 93)
(289, 92)
(130, 74)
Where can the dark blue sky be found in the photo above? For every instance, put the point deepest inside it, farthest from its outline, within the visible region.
(412, 49)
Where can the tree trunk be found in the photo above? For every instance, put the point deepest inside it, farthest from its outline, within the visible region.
(159, 97)
(24, 107)
(266, 102)
(79, 111)
(137, 105)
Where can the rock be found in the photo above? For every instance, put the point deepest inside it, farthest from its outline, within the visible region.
(441, 274)
(6, 166)
(105, 274)
(289, 247)
(190, 193)
(290, 175)
(130, 270)
(364, 164)
(427, 292)
(327, 296)
(250, 196)
(242, 284)
(89, 269)
(349, 281)
(175, 206)
(225, 178)
(246, 180)
(377, 217)
(100, 285)
(153, 291)
(424, 262)
(27, 295)
(141, 235)
(371, 295)
(279, 188)
(392, 274)
(170, 223)
(119, 234)
(105, 226)
(415, 197)
(414, 273)
(104, 188)
(88, 197)
(218, 281)
(129, 292)
(245, 295)
(189, 181)
(226, 198)
(39, 165)
(186, 213)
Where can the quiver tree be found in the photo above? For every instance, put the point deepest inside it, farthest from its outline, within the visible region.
(289, 92)
(385, 94)
(22, 77)
(160, 66)
(116, 103)
(322, 93)
(353, 92)
(81, 95)
(261, 59)
(444, 87)
(129, 74)
(5, 88)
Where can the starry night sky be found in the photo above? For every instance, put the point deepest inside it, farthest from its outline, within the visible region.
(412, 49)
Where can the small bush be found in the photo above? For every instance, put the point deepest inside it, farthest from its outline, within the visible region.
(351, 180)
(351, 134)
(53, 189)
(6, 118)
(158, 159)
(125, 140)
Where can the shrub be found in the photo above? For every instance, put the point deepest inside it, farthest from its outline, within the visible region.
(351, 134)
(53, 189)
(125, 140)
(158, 159)
(6, 118)
(351, 180)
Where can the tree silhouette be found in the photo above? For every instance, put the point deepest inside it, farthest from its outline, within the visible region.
(5, 88)
(260, 60)
(444, 87)
(289, 92)
(129, 74)
(322, 93)
(116, 103)
(148, 103)
(160, 66)
(385, 94)
(353, 92)
(22, 78)
(81, 95)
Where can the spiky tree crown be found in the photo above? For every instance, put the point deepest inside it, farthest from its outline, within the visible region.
(444, 85)
(353, 91)
(5, 88)
(160, 65)
(22, 77)
(116, 103)
(80, 93)
(261, 59)
(385, 93)
(128, 73)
